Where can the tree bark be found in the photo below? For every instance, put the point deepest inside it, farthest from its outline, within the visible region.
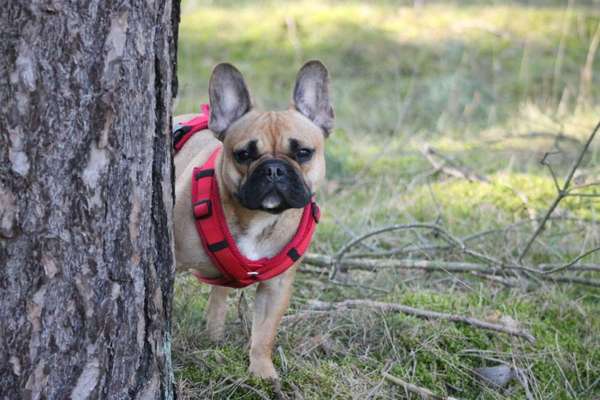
(86, 256)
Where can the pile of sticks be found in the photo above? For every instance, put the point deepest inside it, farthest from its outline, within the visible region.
(508, 272)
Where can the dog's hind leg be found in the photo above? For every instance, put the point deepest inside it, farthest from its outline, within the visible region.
(272, 299)
(216, 311)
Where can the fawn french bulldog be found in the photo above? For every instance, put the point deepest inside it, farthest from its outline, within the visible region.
(265, 175)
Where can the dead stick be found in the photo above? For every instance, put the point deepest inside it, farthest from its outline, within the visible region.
(420, 313)
(367, 264)
(424, 393)
(450, 167)
(370, 264)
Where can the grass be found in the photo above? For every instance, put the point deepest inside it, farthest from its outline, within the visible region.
(472, 80)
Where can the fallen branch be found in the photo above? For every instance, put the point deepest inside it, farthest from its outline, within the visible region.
(441, 234)
(409, 387)
(360, 239)
(448, 166)
(420, 313)
(371, 264)
(438, 230)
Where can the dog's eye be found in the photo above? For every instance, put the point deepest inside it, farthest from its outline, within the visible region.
(303, 155)
(241, 156)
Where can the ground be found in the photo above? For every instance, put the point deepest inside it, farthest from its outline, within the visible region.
(492, 86)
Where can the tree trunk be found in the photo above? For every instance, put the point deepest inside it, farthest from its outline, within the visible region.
(86, 256)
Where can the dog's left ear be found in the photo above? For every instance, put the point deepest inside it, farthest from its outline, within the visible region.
(229, 98)
(311, 95)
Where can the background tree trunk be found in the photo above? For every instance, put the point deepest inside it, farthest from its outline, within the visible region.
(86, 257)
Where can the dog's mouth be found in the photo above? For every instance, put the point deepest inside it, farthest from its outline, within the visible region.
(263, 192)
(272, 201)
(275, 201)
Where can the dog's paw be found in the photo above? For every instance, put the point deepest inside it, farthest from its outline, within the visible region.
(277, 391)
(263, 369)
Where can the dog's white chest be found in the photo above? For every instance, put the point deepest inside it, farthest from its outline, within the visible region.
(252, 244)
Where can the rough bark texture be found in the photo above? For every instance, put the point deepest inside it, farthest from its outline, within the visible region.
(86, 257)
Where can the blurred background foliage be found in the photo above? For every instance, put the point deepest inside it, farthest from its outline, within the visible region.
(490, 85)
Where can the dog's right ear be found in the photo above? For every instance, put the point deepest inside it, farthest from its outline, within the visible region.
(229, 98)
(311, 95)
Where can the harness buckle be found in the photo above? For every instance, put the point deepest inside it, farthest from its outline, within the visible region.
(202, 209)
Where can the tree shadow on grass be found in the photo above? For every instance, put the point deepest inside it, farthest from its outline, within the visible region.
(380, 84)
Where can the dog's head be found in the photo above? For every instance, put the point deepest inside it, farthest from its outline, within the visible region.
(272, 161)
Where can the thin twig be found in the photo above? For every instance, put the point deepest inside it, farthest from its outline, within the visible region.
(420, 313)
(572, 279)
(576, 267)
(409, 387)
(592, 195)
(545, 162)
(586, 185)
(562, 193)
(572, 262)
(353, 235)
(361, 238)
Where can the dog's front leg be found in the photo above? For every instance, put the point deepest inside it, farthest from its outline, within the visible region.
(216, 311)
(272, 299)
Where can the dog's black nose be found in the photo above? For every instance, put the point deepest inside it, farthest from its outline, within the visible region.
(273, 170)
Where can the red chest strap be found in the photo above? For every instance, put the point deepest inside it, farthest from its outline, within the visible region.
(237, 270)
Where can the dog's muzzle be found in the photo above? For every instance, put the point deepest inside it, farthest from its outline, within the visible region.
(274, 186)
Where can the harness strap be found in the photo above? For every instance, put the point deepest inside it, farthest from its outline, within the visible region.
(183, 131)
(237, 271)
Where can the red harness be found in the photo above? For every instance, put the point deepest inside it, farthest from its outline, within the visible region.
(237, 270)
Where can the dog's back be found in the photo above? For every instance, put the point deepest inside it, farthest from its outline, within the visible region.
(188, 246)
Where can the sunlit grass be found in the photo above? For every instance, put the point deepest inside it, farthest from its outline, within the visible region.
(442, 68)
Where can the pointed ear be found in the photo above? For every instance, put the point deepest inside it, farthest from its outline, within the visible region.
(229, 98)
(311, 95)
